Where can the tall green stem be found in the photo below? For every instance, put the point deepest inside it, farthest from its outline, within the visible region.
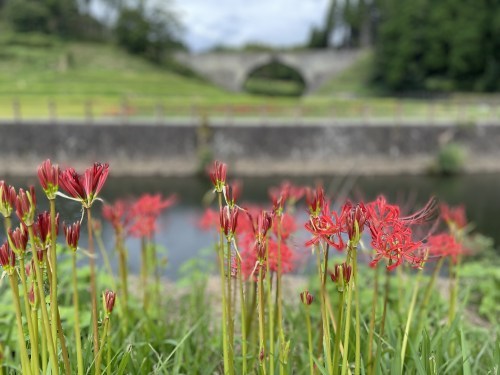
(144, 273)
(105, 257)
(384, 314)
(408, 320)
(369, 353)
(279, 303)
(22, 343)
(357, 360)
(244, 343)
(102, 346)
(309, 339)
(262, 347)
(78, 339)
(338, 335)
(270, 314)
(230, 310)
(53, 268)
(324, 317)
(93, 284)
(228, 367)
(43, 305)
(347, 330)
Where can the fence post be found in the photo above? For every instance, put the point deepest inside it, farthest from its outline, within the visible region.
(16, 111)
(88, 110)
(160, 113)
(52, 111)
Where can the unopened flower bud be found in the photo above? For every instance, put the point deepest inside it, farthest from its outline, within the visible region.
(109, 298)
(306, 298)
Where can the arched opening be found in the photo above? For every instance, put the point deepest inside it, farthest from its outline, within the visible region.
(275, 79)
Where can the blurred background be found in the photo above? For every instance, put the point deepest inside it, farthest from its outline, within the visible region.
(369, 96)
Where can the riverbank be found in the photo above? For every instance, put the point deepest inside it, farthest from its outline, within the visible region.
(252, 147)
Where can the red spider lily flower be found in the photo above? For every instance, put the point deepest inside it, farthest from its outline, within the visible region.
(379, 211)
(18, 239)
(295, 193)
(444, 244)
(392, 240)
(423, 215)
(232, 192)
(341, 273)
(454, 216)
(326, 227)
(288, 257)
(109, 298)
(228, 220)
(288, 226)
(151, 205)
(353, 216)
(7, 258)
(209, 220)
(116, 214)
(26, 206)
(8, 198)
(84, 188)
(306, 298)
(261, 226)
(315, 200)
(278, 198)
(217, 174)
(48, 175)
(143, 226)
(42, 228)
(72, 233)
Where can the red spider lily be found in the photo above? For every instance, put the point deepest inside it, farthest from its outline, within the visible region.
(278, 198)
(379, 211)
(306, 298)
(26, 206)
(454, 216)
(295, 193)
(232, 192)
(326, 226)
(261, 225)
(288, 226)
(116, 214)
(315, 200)
(352, 216)
(8, 198)
(42, 228)
(144, 213)
(72, 233)
(217, 174)
(109, 298)
(84, 188)
(209, 220)
(444, 244)
(18, 239)
(423, 215)
(341, 273)
(7, 258)
(228, 220)
(392, 240)
(48, 175)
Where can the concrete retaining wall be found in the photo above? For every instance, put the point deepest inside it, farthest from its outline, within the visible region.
(249, 148)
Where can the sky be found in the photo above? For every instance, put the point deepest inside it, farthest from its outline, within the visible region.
(280, 23)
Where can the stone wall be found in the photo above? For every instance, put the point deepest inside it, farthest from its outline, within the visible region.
(249, 148)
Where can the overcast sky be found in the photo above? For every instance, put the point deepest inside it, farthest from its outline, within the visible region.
(237, 22)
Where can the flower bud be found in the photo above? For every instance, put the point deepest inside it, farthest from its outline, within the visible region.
(306, 298)
(7, 199)
(109, 298)
(48, 176)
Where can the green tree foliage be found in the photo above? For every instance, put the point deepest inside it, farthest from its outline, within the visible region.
(439, 45)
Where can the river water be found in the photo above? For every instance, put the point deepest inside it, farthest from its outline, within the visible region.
(180, 235)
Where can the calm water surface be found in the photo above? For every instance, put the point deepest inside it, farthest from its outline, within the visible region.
(182, 238)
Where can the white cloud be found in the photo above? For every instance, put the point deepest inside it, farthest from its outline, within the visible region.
(236, 22)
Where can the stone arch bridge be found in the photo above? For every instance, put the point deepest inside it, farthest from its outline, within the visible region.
(231, 69)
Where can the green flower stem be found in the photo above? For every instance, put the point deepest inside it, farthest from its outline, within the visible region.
(270, 314)
(44, 344)
(357, 360)
(228, 368)
(78, 339)
(279, 304)
(43, 305)
(102, 346)
(35, 342)
(384, 314)
(105, 257)
(409, 318)
(324, 317)
(338, 335)
(243, 320)
(53, 267)
(25, 363)
(93, 283)
(108, 350)
(230, 310)
(347, 329)
(144, 273)
(7, 223)
(122, 256)
(262, 348)
(454, 288)
(27, 309)
(309, 339)
(371, 330)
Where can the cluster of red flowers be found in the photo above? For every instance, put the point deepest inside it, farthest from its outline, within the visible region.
(138, 218)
